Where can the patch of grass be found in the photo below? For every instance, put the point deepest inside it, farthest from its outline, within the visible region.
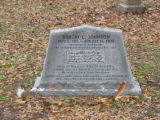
(159, 96)
(7, 57)
(148, 4)
(142, 45)
(17, 71)
(31, 58)
(121, 118)
(141, 98)
(150, 113)
(21, 23)
(11, 103)
(27, 97)
(101, 110)
(3, 38)
(1, 30)
(84, 107)
(11, 52)
(3, 98)
(29, 82)
(153, 53)
(126, 104)
(33, 30)
(10, 65)
(1, 74)
(3, 79)
(2, 86)
(1, 48)
(137, 54)
(102, 119)
(141, 78)
(144, 68)
(116, 104)
(156, 62)
(39, 69)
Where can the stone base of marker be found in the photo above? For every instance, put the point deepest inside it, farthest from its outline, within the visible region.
(136, 90)
(124, 8)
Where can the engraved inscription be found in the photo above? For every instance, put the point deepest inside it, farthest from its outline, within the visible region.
(87, 72)
(85, 56)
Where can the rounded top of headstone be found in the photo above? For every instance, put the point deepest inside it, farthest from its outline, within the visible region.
(87, 27)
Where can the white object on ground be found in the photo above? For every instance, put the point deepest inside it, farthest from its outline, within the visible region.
(20, 91)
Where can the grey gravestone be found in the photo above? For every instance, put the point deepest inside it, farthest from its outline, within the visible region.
(134, 6)
(85, 61)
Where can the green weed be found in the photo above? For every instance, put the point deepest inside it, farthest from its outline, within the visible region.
(1, 30)
(3, 98)
(7, 57)
(1, 48)
(3, 38)
(121, 118)
(3, 79)
(11, 52)
(116, 104)
(10, 65)
(2, 86)
(33, 30)
(27, 97)
(1, 74)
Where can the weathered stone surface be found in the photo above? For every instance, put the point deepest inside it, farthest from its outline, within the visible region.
(133, 6)
(84, 61)
(132, 2)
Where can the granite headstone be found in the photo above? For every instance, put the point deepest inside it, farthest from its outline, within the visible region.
(83, 61)
(133, 6)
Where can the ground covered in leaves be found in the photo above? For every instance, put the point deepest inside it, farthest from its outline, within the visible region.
(24, 34)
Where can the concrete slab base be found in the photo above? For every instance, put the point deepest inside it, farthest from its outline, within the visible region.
(124, 8)
(136, 90)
